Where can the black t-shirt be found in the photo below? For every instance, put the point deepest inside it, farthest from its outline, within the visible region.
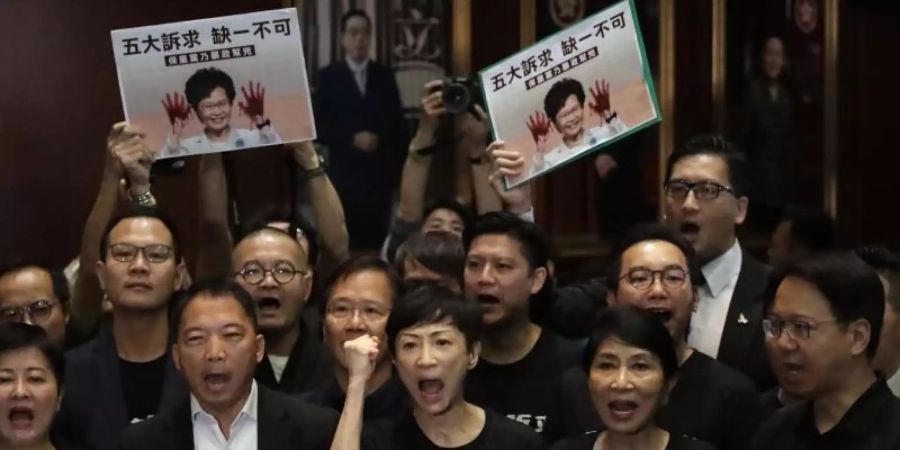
(142, 385)
(526, 390)
(498, 433)
(872, 423)
(382, 408)
(676, 442)
(710, 401)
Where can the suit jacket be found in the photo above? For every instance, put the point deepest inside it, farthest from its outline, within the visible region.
(284, 422)
(93, 411)
(742, 345)
(342, 111)
(308, 366)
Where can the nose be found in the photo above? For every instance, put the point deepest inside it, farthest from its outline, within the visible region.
(622, 381)
(139, 263)
(486, 275)
(784, 341)
(426, 356)
(215, 350)
(26, 318)
(355, 322)
(20, 390)
(268, 281)
(657, 288)
(690, 202)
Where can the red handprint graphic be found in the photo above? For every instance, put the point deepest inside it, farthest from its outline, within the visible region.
(539, 125)
(600, 94)
(178, 110)
(253, 103)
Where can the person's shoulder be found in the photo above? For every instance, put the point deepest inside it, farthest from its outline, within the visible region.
(582, 442)
(681, 442)
(568, 351)
(719, 375)
(302, 412)
(778, 425)
(148, 433)
(507, 433)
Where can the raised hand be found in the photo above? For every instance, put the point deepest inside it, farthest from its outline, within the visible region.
(254, 102)
(360, 355)
(600, 95)
(127, 147)
(178, 110)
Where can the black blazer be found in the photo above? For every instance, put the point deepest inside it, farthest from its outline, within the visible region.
(284, 422)
(742, 345)
(93, 411)
(308, 366)
(342, 111)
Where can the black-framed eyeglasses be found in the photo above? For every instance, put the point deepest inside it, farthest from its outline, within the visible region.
(38, 311)
(282, 273)
(796, 329)
(703, 190)
(642, 279)
(155, 253)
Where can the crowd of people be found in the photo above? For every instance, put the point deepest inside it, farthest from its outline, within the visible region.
(456, 334)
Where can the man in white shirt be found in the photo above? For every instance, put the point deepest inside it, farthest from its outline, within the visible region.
(210, 93)
(564, 105)
(705, 199)
(216, 348)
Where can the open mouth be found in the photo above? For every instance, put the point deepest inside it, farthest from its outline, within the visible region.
(622, 409)
(488, 300)
(21, 417)
(216, 381)
(267, 304)
(664, 314)
(431, 389)
(689, 229)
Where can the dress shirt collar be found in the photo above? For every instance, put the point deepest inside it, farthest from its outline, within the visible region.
(720, 271)
(356, 67)
(250, 409)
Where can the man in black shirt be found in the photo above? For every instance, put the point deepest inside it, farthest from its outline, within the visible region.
(125, 375)
(823, 324)
(273, 267)
(358, 302)
(521, 363)
(709, 401)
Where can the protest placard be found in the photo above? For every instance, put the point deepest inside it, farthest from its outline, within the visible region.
(576, 91)
(216, 85)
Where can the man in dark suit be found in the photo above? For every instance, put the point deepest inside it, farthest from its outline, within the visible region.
(125, 375)
(360, 118)
(216, 348)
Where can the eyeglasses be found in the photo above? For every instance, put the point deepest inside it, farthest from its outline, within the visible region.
(38, 311)
(155, 253)
(703, 190)
(796, 329)
(210, 107)
(642, 279)
(369, 313)
(255, 274)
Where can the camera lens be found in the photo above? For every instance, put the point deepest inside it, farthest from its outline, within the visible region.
(456, 97)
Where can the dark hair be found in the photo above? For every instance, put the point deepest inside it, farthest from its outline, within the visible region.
(201, 84)
(651, 231)
(887, 263)
(18, 336)
(464, 212)
(636, 327)
(297, 225)
(351, 13)
(715, 145)
(218, 287)
(438, 251)
(57, 278)
(851, 287)
(363, 263)
(558, 94)
(812, 230)
(136, 212)
(532, 240)
(430, 304)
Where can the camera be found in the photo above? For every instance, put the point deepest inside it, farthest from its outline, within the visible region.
(460, 94)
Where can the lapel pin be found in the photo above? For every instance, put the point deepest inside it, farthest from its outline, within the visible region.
(743, 319)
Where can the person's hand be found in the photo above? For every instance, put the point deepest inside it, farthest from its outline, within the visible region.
(600, 103)
(474, 127)
(360, 355)
(254, 102)
(178, 110)
(305, 154)
(604, 164)
(432, 105)
(128, 149)
(508, 162)
(366, 141)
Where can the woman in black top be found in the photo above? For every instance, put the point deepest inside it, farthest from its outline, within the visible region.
(433, 334)
(631, 363)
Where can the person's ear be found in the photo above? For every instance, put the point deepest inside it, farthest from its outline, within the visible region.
(181, 276)
(260, 343)
(611, 298)
(540, 277)
(860, 333)
(176, 358)
(743, 203)
(306, 280)
(59, 399)
(474, 355)
(100, 270)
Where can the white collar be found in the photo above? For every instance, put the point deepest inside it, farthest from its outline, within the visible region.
(250, 408)
(720, 271)
(355, 66)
